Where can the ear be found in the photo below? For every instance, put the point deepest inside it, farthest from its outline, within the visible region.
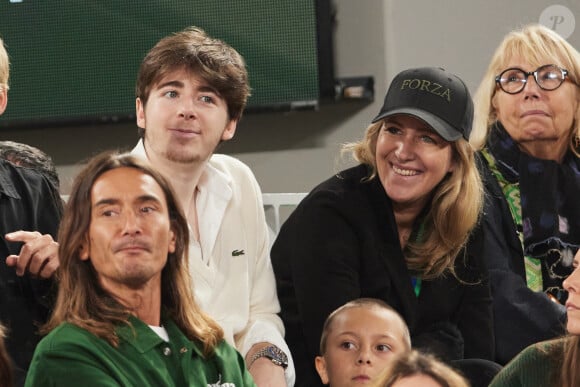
(3, 99)
(172, 241)
(452, 165)
(494, 103)
(229, 130)
(320, 365)
(140, 112)
(85, 251)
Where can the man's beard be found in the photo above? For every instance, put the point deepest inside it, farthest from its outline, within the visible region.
(181, 157)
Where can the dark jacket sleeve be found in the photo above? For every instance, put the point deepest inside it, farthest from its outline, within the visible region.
(29, 202)
(41, 209)
(476, 312)
(316, 263)
(521, 316)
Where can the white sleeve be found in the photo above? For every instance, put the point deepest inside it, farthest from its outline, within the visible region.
(264, 324)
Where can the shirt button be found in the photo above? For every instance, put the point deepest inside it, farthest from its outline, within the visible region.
(167, 351)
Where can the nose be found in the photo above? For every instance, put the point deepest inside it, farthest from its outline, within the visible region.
(131, 223)
(571, 283)
(186, 110)
(405, 149)
(531, 88)
(364, 357)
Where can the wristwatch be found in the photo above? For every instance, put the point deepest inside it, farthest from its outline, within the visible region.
(275, 354)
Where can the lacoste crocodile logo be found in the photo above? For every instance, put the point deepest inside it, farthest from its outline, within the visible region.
(236, 253)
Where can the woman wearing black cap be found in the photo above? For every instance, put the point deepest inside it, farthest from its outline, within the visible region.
(395, 228)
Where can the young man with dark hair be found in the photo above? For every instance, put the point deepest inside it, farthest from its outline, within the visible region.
(191, 92)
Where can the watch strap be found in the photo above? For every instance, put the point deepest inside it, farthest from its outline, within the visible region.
(272, 352)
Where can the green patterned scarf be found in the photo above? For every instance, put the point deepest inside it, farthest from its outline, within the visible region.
(511, 192)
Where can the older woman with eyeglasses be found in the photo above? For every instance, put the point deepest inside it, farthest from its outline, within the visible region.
(527, 130)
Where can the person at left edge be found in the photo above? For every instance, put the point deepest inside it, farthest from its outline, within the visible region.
(30, 211)
(125, 313)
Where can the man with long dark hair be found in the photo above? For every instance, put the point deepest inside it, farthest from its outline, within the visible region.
(125, 313)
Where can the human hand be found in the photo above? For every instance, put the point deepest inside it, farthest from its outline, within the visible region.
(38, 255)
(267, 374)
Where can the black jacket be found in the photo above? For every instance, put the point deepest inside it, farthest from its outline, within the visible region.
(522, 316)
(341, 243)
(27, 202)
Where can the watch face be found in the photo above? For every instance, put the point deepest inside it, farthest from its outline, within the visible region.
(277, 356)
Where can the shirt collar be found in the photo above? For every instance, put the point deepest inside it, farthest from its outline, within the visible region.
(6, 184)
(143, 339)
(212, 179)
(139, 150)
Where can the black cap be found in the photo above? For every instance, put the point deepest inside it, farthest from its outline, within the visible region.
(433, 95)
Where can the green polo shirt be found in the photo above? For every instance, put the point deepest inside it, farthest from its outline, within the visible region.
(71, 356)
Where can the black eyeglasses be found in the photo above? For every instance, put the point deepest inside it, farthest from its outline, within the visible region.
(548, 77)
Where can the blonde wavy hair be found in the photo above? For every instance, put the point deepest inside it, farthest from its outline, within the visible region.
(81, 299)
(413, 363)
(537, 45)
(4, 67)
(454, 211)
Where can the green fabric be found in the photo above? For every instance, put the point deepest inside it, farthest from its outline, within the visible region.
(71, 356)
(511, 193)
(417, 285)
(418, 237)
(535, 366)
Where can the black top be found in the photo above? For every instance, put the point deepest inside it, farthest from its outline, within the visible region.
(342, 243)
(28, 202)
(522, 316)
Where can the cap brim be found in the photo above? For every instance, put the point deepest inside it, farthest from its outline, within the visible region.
(445, 130)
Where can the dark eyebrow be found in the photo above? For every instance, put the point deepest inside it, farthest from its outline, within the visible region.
(140, 199)
(178, 84)
(148, 198)
(107, 201)
(181, 85)
(209, 89)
